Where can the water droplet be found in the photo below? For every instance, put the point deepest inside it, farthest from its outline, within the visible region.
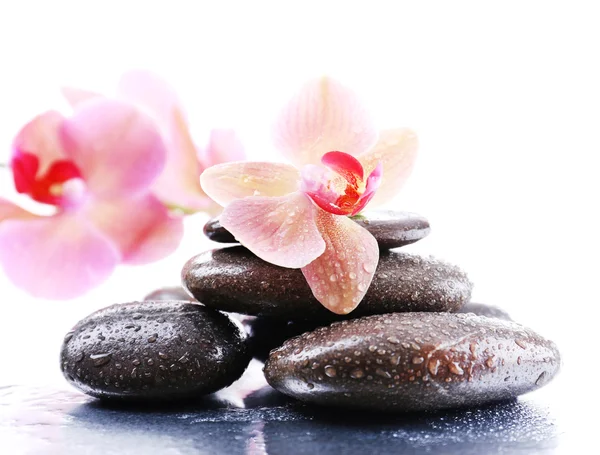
(372, 348)
(333, 278)
(541, 378)
(136, 316)
(153, 338)
(357, 373)
(150, 362)
(352, 276)
(521, 344)
(330, 371)
(68, 337)
(417, 360)
(368, 267)
(163, 356)
(100, 359)
(433, 366)
(136, 362)
(382, 373)
(455, 368)
(519, 360)
(361, 287)
(310, 385)
(393, 340)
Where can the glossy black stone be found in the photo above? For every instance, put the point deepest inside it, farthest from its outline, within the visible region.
(154, 351)
(235, 280)
(170, 293)
(391, 229)
(481, 309)
(413, 362)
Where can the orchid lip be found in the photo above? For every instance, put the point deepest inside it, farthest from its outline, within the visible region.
(339, 187)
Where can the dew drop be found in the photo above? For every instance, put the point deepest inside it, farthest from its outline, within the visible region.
(357, 373)
(455, 368)
(368, 268)
(417, 360)
(352, 275)
(333, 278)
(330, 371)
(100, 359)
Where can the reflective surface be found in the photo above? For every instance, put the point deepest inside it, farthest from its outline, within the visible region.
(251, 418)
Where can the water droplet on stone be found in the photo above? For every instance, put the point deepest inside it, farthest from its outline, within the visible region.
(417, 360)
(330, 371)
(100, 359)
(357, 373)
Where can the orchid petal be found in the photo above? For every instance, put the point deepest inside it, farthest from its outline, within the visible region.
(41, 137)
(340, 277)
(10, 210)
(280, 230)
(345, 165)
(373, 183)
(117, 149)
(227, 182)
(323, 116)
(396, 150)
(223, 146)
(178, 184)
(149, 92)
(57, 257)
(77, 96)
(141, 227)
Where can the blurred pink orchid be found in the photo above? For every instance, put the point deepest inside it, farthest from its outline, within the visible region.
(178, 186)
(96, 168)
(296, 217)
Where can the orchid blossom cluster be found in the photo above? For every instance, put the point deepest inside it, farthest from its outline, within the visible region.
(297, 215)
(113, 171)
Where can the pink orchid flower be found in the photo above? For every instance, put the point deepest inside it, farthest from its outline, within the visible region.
(297, 216)
(178, 186)
(96, 170)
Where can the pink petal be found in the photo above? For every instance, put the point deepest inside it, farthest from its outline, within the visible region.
(10, 210)
(179, 183)
(227, 182)
(149, 92)
(41, 137)
(324, 116)
(142, 228)
(57, 257)
(340, 277)
(117, 149)
(280, 230)
(345, 165)
(76, 96)
(373, 183)
(223, 146)
(397, 151)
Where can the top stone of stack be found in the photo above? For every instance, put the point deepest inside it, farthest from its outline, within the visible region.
(391, 229)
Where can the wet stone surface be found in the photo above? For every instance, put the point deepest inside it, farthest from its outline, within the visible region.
(413, 362)
(169, 293)
(391, 229)
(154, 351)
(482, 309)
(235, 280)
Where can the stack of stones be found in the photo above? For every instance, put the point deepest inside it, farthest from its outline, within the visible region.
(415, 342)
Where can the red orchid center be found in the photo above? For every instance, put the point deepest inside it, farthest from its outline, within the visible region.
(55, 186)
(340, 187)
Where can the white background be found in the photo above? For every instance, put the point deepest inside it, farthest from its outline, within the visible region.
(505, 97)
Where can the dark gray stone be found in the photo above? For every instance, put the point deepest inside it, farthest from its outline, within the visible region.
(235, 280)
(391, 229)
(413, 362)
(154, 351)
(170, 293)
(481, 309)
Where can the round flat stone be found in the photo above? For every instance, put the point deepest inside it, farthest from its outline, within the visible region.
(481, 309)
(154, 351)
(413, 362)
(170, 293)
(235, 280)
(391, 229)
